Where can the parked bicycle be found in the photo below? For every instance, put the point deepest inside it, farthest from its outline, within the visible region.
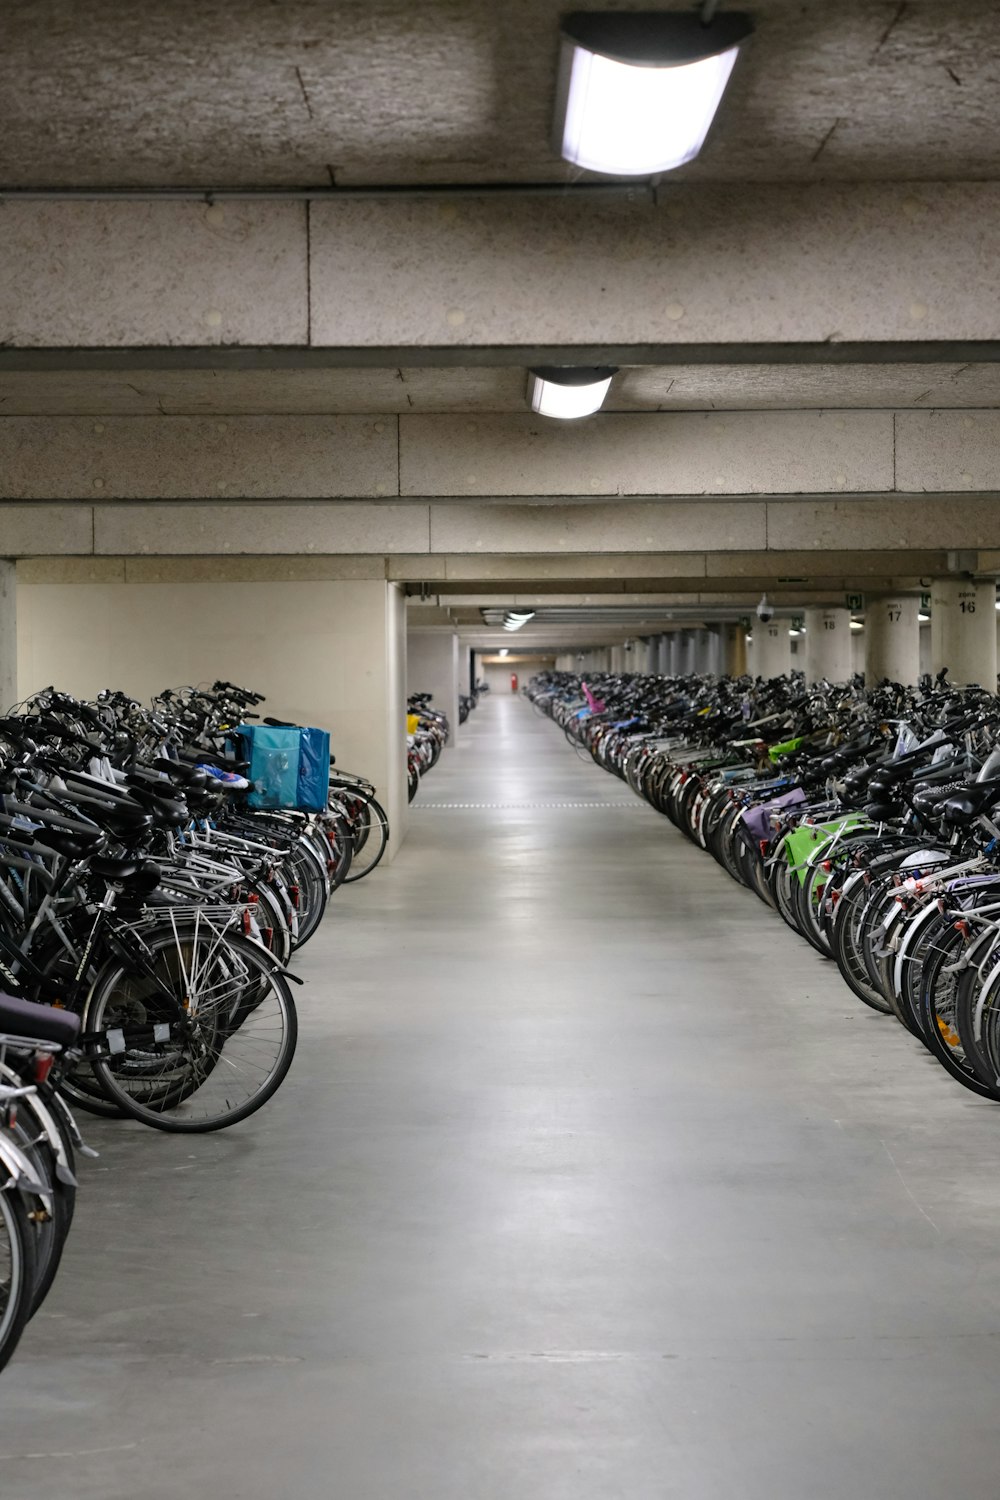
(869, 820)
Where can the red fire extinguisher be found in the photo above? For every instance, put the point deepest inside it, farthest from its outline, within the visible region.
(513, 682)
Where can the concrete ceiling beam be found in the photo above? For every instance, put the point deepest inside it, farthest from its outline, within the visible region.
(743, 456)
(754, 262)
(739, 455)
(444, 541)
(214, 389)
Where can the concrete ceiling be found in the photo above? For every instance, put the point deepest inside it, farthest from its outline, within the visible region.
(331, 95)
(277, 392)
(318, 92)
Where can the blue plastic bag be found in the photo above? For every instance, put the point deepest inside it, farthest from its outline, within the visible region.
(289, 766)
(314, 770)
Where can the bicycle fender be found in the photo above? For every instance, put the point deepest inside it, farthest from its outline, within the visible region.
(21, 1174)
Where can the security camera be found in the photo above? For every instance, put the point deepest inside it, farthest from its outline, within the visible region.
(765, 610)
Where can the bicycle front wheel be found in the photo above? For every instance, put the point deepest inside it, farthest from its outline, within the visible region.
(198, 1041)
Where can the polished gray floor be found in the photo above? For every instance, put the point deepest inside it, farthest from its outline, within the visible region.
(590, 1181)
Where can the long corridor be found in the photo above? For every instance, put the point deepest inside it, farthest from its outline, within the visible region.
(591, 1181)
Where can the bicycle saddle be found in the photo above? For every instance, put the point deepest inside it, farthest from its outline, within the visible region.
(964, 809)
(42, 1023)
(137, 874)
(164, 812)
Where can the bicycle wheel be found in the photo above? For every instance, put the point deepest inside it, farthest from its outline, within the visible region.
(304, 871)
(49, 1219)
(17, 1272)
(847, 944)
(199, 1043)
(373, 824)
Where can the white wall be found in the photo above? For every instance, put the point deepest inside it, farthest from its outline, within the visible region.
(330, 653)
(498, 675)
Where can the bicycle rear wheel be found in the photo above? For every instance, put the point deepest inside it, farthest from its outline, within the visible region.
(199, 1044)
(371, 838)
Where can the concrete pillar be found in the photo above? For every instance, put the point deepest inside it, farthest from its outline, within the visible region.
(892, 640)
(688, 652)
(858, 651)
(772, 649)
(713, 651)
(964, 632)
(8, 636)
(652, 655)
(734, 651)
(325, 652)
(432, 667)
(663, 654)
(828, 645)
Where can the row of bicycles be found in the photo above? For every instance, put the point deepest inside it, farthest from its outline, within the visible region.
(867, 818)
(149, 912)
(427, 734)
(428, 731)
(468, 701)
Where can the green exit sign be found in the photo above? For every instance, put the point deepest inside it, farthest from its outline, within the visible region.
(855, 601)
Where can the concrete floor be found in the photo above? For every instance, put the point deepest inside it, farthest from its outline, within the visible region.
(590, 1180)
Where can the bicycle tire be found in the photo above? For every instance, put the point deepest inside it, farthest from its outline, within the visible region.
(257, 961)
(17, 1272)
(377, 819)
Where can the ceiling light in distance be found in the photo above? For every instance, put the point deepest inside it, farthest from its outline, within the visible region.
(857, 625)
(637, 91)
(504, 650)
(567, 392)
(924, 616)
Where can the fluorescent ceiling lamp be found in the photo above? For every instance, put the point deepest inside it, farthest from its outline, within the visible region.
(517, 619)
(857, 625)
(504, 650)
(924, 616)
(567, 392)
(637, 91)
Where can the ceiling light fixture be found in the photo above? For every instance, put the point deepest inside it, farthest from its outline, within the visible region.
(568, 392)
(517, 619)
(637, 91)
(504, 650)
(924, 616)
(857, 625)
